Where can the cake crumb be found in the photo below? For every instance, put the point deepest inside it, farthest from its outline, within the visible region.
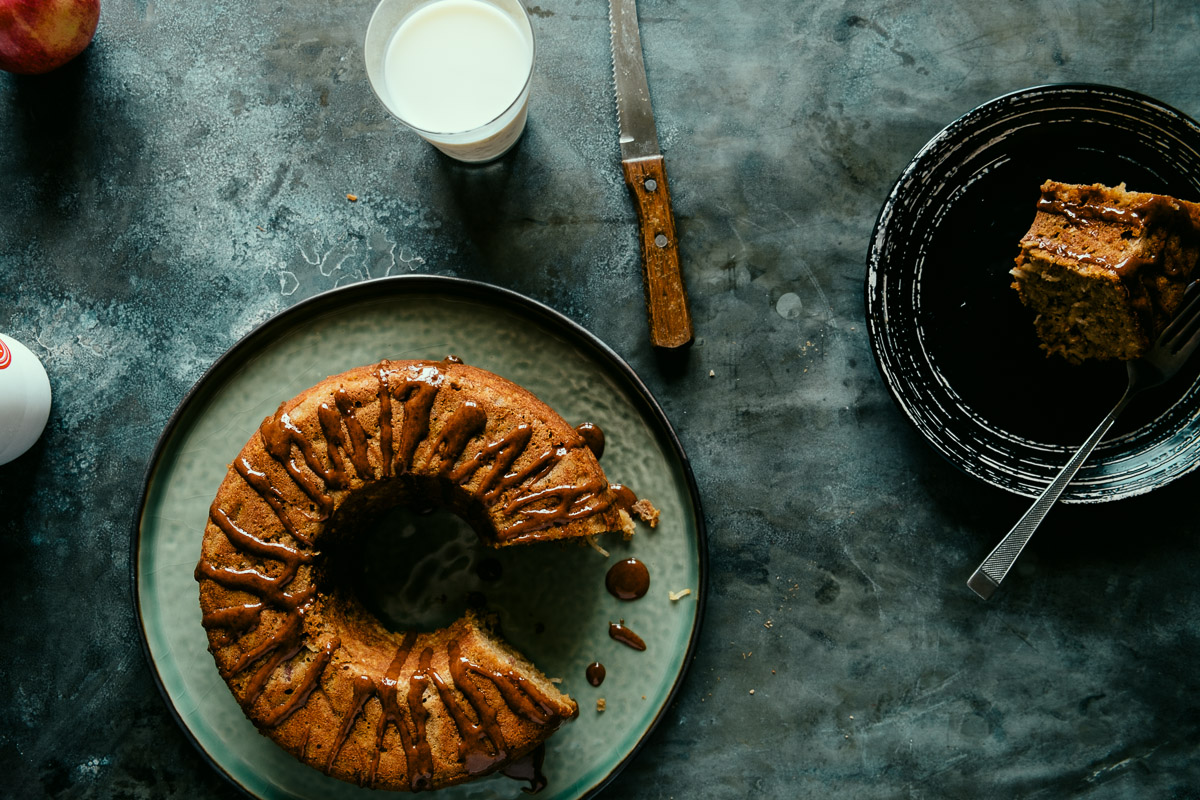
(628, 529)
(646, 512)
(600, 704)
(556, 680)
(677, 596)
(751, 691)
(712, 374)
(353, 198)
(591, 540)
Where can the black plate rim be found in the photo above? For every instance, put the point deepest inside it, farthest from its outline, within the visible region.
(451, 286)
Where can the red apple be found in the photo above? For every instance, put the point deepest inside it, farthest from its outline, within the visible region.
(37, 36)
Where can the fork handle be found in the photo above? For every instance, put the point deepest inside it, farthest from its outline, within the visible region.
(986, 579)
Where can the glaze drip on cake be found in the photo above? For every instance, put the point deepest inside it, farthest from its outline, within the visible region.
(346, 444)
(315, 671)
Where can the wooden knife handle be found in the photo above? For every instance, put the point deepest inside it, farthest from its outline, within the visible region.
(666, 297)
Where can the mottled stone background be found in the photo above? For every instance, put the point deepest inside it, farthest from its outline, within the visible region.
(187, 177)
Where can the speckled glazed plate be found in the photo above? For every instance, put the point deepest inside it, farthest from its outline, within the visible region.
(551, 599)
(954, 344)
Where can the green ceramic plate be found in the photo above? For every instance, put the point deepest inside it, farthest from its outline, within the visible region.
(551, 599)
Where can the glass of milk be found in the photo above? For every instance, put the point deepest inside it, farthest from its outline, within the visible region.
(455, 71)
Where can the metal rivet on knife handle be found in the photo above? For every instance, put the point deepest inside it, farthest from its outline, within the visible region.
(666, 297)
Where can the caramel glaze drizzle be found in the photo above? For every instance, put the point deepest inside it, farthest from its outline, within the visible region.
(262, 485)
(1125, 267)
(279, 434)
(353, 442)
(481, 745)
(287, 640)
(1084, 215)
(481, 742)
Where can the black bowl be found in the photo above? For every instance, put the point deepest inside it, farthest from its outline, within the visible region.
(954, 344)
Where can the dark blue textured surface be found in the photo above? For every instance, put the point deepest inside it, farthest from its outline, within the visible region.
(186, 178)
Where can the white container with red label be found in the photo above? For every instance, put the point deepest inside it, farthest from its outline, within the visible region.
(24, 398)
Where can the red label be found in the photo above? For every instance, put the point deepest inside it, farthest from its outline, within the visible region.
(5, 355)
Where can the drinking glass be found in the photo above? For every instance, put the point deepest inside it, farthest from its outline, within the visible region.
(455, 71)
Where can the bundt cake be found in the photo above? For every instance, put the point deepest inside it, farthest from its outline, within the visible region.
(1105, 269)
(309, 664)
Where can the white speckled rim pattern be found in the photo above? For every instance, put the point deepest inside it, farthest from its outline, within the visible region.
(964, 178)
(431, 317)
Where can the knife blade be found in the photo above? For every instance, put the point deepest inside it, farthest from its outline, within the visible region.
(646, 176)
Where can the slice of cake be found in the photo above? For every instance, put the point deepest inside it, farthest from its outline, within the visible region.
(1105, 269)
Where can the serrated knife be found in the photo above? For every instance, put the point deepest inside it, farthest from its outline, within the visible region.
(646, 176)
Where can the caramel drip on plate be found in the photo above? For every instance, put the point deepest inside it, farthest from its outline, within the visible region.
(528, 768)
(595, 673)
(620, 632)
(406, 399)
(593, 435)
(628, 579)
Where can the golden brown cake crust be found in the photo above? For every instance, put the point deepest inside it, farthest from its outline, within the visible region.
(1104, 269)
(309, 665)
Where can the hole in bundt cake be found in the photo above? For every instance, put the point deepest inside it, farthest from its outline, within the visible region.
(411, 569)
(394, 552)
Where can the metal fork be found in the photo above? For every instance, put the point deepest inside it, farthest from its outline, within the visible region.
(1169, 354)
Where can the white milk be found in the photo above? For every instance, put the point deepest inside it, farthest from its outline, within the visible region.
(455, 65)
